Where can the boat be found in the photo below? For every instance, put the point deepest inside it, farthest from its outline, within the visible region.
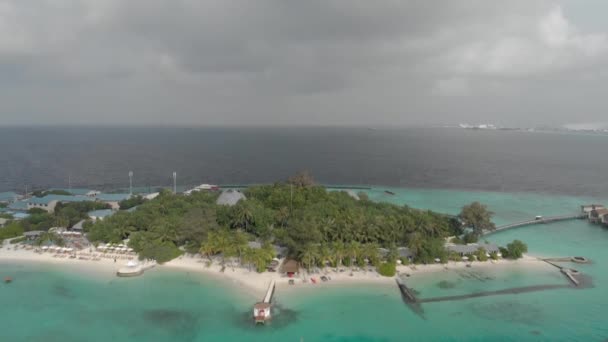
(8, 280)
(389, 192)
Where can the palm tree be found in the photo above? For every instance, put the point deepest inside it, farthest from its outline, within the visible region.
(371, 252)
(209, 247)
(309, 255)
(339, 251)
(248, 257)
(325, 255)
(415, 243)
(244, 216)
(283, 216)
(353, 250)
(239, 243)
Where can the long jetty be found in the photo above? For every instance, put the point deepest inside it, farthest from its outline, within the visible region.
(515, 290)
(534, 221)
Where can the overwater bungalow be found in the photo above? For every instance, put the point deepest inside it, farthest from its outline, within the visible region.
(587, 208)
(597, 215)
(261, 312)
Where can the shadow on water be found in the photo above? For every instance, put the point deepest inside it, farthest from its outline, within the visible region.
(281, 317)
(509, 311)
(182, 323)
(62, 291)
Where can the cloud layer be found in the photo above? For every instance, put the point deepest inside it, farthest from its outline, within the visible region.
(316, 62)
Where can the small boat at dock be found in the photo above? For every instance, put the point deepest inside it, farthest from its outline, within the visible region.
(389, 192)
(8, 280)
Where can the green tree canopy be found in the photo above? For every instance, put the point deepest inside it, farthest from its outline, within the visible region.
(478, 217)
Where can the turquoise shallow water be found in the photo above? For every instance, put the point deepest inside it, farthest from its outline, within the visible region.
(47, 303)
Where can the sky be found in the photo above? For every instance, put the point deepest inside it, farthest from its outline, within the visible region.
(313, 62)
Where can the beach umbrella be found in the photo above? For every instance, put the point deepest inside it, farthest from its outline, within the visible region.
(130, 249)
(437, 260)
(465, 258)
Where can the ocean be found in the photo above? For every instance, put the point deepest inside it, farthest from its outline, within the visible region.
(517, 174)
(440, 158)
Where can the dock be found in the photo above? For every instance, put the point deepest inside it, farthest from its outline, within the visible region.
(409, 298)
(542, 220)
(262, 310)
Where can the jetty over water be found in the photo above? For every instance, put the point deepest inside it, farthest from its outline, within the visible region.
(537, 220)
(261, 310)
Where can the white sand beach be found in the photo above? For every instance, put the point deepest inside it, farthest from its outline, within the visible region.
(249, 280)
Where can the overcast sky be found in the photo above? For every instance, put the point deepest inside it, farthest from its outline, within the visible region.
(312, 62)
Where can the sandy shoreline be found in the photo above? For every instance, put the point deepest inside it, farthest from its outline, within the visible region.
(253, 283)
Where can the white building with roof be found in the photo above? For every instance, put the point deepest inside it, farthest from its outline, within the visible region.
(230, 197)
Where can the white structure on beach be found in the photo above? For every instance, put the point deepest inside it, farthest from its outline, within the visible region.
(230, 197)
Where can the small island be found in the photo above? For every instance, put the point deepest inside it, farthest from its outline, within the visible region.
(265, 229)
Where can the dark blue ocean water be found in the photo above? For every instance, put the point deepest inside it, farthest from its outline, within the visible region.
(414, 157)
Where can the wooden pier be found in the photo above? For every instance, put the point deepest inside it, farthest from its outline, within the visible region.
(542, 220)
(262, 310)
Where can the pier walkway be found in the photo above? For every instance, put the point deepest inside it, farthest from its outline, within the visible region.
(535, 221)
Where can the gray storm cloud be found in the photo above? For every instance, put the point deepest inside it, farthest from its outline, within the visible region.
(301, 62)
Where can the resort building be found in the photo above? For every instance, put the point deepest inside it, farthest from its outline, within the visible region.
(100, 214)
(150, 196)
(596, 215)
(18, 206)
(472, 248)
(8, 197)
(112, 199)
(49, 202)
(230, 197)
(79, 227)
(33, 235)
(3, 222)
(279, 251)
(78, 192)
(290, 268)
(588, 208)
(202, 187)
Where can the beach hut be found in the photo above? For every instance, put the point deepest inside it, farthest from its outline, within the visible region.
(33, 235)
(290, 268)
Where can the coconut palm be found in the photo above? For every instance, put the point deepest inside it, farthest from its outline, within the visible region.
(415, 243)
(248, 257)
(353, 250)
(244, 216)
(309, 255)
(325, 256)
(339, 251)
(372, 253)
